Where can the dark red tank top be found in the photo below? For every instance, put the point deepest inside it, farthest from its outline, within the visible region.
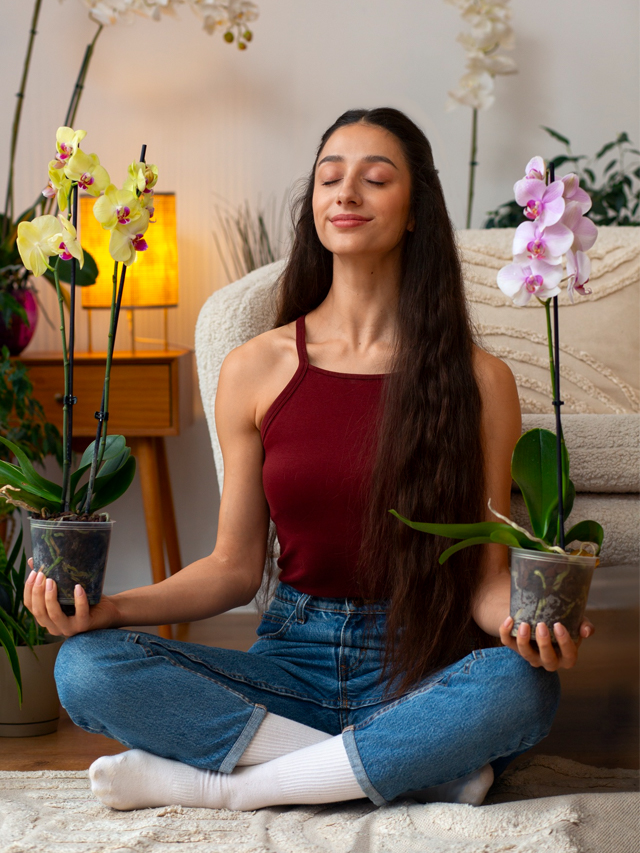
(319, 440)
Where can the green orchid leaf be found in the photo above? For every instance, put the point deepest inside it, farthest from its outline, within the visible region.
(76, 477)
(85, 277)
(44, 486)
(114, 444)
(533, 467)
(586, 531)
(6, 640)
(110, 488)
(114, 463)
(453, 531)
(511, 537)
(465, 543)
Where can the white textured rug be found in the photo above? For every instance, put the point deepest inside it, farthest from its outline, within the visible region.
(546, 805)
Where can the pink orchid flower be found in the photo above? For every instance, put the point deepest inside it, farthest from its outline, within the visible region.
(543, 204)
(522, 281)
(535, 169)
(584, 230)
(579, 270)
(543, 244)
(573, 192)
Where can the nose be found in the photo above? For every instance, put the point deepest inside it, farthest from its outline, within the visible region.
(348, 191)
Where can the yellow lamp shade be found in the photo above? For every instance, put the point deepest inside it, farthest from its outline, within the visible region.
(152, 281)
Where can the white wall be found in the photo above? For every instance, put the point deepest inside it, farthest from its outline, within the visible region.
(231, 125)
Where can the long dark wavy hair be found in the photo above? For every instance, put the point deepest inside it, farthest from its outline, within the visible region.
(429, 459)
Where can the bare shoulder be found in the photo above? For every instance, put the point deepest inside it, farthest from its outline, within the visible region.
(497, 387)
(260, 368)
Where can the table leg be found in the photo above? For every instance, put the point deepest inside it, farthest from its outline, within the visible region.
(169, 523)
(145, 453)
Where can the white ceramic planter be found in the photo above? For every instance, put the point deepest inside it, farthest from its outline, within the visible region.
(40, 709)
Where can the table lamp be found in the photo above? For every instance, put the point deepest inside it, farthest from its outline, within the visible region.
(151, 282)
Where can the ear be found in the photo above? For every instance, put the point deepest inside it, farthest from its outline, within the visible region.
(411, 224)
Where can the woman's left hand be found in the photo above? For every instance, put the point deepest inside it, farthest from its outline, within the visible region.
(563, 656)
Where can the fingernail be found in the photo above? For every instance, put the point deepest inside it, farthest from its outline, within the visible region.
(40, 579)
(78, 590)
(49, 585)
(522, 630)
(507, 622)
(542, 630)
(559, 629)
(32, 577)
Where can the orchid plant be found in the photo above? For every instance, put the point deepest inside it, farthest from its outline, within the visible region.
(44, 243)
(557, 226)
(232, 16)
(489, 32)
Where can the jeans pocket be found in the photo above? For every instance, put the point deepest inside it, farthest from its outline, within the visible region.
(276, 620)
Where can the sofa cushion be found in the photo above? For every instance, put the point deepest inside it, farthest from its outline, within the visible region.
(599, 334)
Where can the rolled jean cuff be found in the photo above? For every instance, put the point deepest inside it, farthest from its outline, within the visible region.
(246, 736)
(349, 740)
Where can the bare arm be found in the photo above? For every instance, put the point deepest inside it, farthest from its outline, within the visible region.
(501, 429)
(231, 575)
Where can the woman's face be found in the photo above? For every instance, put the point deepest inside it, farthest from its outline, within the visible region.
(362, 192)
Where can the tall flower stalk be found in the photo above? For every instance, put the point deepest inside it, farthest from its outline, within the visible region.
(43, 243)
(489, 32)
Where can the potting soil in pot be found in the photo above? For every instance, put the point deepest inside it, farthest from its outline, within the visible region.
(72, 552)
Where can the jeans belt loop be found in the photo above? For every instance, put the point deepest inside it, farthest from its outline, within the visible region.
(300, 605)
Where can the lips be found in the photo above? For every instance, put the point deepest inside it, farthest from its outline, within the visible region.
(349, 220)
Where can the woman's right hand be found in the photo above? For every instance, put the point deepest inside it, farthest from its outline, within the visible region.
(41, 598)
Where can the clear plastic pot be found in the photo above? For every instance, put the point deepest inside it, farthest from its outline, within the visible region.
(549, 588)
(72, 552)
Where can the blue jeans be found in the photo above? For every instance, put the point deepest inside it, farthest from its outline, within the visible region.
(316, 662)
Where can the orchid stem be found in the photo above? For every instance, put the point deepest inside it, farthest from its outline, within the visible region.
(472, 164)
(66, 456)
(8, 207)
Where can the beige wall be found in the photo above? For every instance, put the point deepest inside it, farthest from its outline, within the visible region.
(222, 124)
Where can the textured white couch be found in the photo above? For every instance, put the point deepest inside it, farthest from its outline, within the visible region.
(600, 360)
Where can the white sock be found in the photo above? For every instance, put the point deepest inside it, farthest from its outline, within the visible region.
(320, 773)
(470, 789)
(278, 736)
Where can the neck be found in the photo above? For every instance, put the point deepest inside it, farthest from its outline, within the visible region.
(361, 305)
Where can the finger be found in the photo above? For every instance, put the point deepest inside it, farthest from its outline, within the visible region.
(587, 629)
(56, 616)
(30, 562)
(81, 622)
(505, 633)
(524, 646)
(568, 649)
(38, 605)
(545, 648)
(27, 594)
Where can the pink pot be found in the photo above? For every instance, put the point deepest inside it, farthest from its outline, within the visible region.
(17, 334)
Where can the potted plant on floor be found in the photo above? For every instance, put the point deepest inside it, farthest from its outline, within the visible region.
(28, 698)
(69, 534)
(549, 579)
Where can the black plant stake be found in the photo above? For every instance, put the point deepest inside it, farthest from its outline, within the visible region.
(70, 400)
(557, 402)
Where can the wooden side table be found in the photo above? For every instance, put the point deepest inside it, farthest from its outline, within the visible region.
(150, 397)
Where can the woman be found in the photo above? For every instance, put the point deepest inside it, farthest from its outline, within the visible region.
(377, 672)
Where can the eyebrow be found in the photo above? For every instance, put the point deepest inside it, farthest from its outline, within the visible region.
(370, 158)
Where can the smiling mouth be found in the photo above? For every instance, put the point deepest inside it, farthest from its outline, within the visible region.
(349, 220)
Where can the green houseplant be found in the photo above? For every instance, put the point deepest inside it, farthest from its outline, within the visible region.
(70, 536)
(549, 580)
(32, 707)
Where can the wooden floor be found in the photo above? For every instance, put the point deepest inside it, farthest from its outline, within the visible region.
(597, 722)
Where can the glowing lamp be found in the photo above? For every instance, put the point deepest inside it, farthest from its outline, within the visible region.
(152, 281)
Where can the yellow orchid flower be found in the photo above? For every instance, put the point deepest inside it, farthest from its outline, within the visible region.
(116, 207)
(128, 239)
(37, 241)
(59, 184)
(68, 247)
(86, 171)
(67, 141)
(142, 177)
